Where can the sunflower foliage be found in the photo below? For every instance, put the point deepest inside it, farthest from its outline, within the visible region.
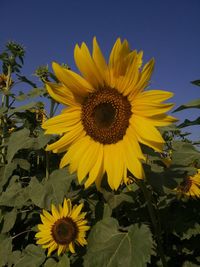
(138, 224)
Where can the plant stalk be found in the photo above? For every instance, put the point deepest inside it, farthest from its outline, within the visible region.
(154, 221)
(5, 103)
(47, 152)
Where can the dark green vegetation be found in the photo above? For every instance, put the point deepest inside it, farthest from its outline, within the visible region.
(142, 224)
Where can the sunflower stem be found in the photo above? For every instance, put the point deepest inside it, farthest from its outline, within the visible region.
(5, 103)
(47, 152)
(27, 231)
(154, 220)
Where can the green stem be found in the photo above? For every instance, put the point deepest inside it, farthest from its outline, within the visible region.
(24, 232)
(5, 103)
(154, 221)
(52, 108)
(47, 153)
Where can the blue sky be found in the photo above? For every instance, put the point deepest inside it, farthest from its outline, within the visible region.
(166, 30)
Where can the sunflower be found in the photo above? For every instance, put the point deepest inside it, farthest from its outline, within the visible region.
(190, 186)
(4, 81)
(63, 228)
(108, 114)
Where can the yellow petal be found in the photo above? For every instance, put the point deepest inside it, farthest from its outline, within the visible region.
(55, 212)
(44, 240)
(161, 120)
(69, 117)
(88, 159)
(75, 153)
(146, 133)
(61, 94)
(67, 138)
(60, 249)
(114, 164)
(71, 247)
(156, 96)
(122, 60)
(132, 162)
(97, 168)
(45, 220)
(82, 241)
(74, 82)
(43, 234)
(145, 129)
(48, 216)
(132, 143)
(150, 109)
(67, 207)
(84, 228)
(87, 66)
(51, 249)
(76, 211)
(114, 53)
(43, 227)
(144, 78)
(124, 82)
(100, 61)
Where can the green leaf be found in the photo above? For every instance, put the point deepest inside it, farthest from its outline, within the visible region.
(2, 110)
(115, 200)
(108, 247)
(14, 196)
(5, 172)
(189, 264)
(33, 256)
(50, 263)
(22, 108)
(107, 211)
(64, 262)
(14, 257)
(192, 104)
(196, 82)
(25, 80)
(21, 96)
(23, 163)
(35, 92)
(189, 123)
(51, 191)
(9, 221)
(184, 154)
(5, 249)
(17, 141)
(193, 231)
(41, 140)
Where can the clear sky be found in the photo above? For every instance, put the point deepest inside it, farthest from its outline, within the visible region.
(168, 30)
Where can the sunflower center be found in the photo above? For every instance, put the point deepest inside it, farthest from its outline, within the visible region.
(64, 231)
(105, 115)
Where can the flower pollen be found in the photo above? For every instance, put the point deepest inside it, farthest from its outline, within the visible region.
(105, 116)
(64, 231)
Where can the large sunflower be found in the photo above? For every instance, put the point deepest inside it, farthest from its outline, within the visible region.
(108, 114)
(63, 228)
(190, 187)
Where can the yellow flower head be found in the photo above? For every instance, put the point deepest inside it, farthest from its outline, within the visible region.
(3, 81)
(108, 114)
(190, 186)
(63, 228)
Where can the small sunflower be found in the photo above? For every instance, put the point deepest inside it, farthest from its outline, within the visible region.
(108, 114)
(190, 186)
(3, 81)
(63, 228)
